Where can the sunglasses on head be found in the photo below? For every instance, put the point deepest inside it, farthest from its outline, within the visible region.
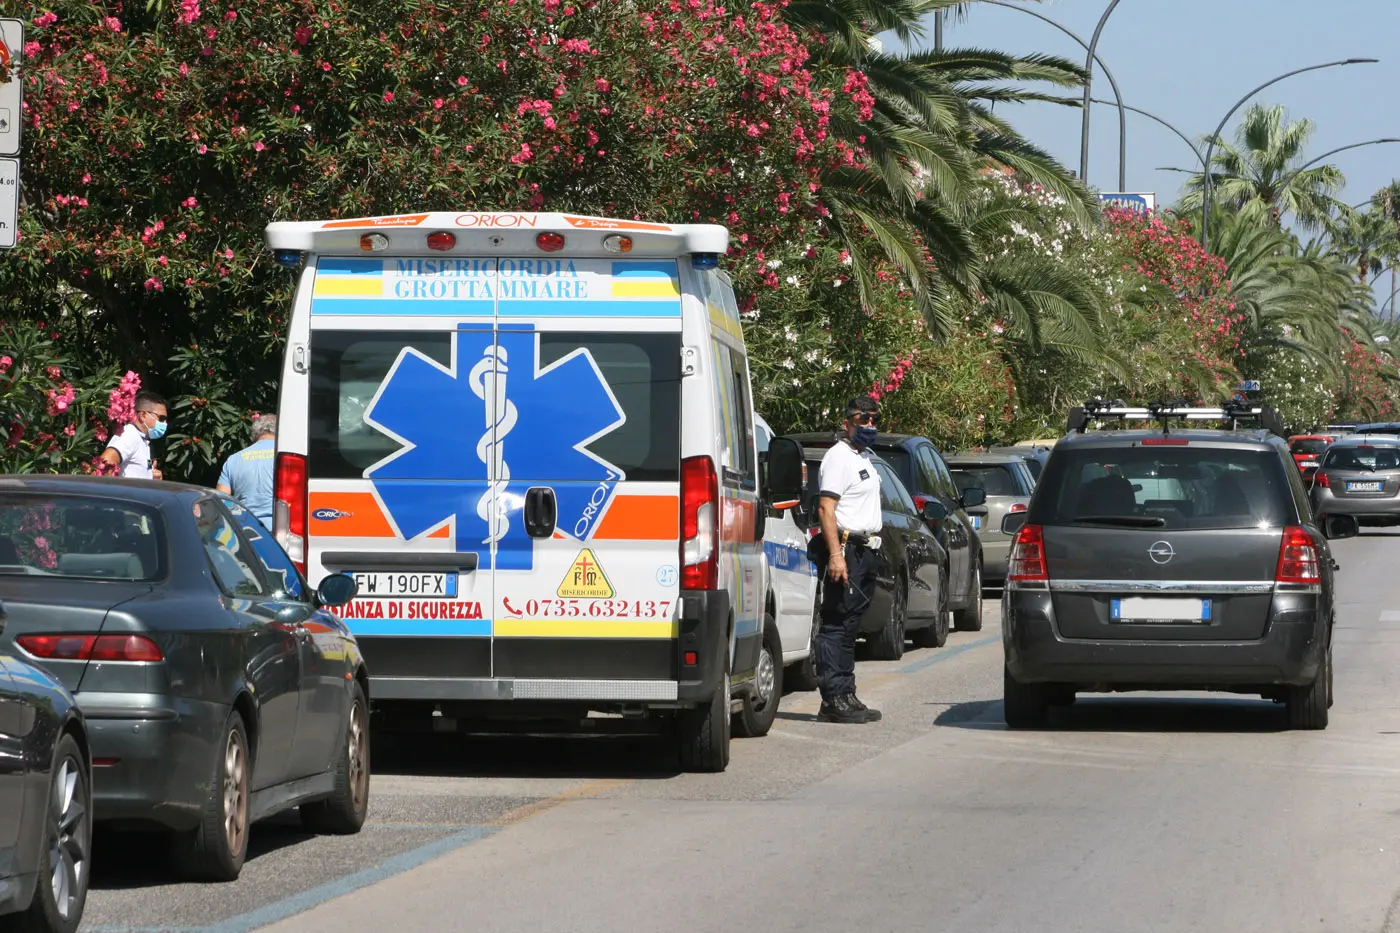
(865, 417)
(147, 411)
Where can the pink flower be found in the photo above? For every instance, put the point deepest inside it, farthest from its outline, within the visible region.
(462, 81)
(228, 254)
(258, 146)
(602, 85)
(32, 49)
(230, 16)
(202, 149)
(437, 103)
(45, 19)
(54, 373)
(41, 542)
(189, 12)
(388, 96)
(302, 35)
(5, 363)
(153, 284)
(189, 202)
(70, 430)
(113, 23)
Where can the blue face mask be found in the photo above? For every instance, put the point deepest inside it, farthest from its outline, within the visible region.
(865, 435)
(157, 431)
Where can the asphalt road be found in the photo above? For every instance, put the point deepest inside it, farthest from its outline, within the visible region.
(1164, 813)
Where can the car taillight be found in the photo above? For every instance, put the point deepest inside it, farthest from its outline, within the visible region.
(1027, 562)
(289, 507)
(1322, 480)
(699, 524)
(1018, 507)
(70, 647)
(1298, 558)
(1165, 442)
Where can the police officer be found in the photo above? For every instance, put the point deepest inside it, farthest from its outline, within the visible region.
(850, 524)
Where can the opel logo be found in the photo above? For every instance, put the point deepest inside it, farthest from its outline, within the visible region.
(1161, 552)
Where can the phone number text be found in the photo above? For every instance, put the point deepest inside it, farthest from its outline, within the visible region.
(599, 608)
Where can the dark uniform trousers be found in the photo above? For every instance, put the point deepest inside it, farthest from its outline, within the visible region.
(842, 607)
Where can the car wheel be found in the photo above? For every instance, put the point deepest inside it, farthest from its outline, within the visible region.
(343, 812)
(761, 706)
(1330, 695)
(61, 890)
(703, 733)
(888, 643)
(1307, 706)
(969, 618)
(1024, 706)
(216, 848)
(803, 674)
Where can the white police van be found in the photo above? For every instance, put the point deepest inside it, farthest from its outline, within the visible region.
(792, 590)
(530, 438)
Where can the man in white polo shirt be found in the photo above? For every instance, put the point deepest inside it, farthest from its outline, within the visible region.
(851, 520)
(130, 451)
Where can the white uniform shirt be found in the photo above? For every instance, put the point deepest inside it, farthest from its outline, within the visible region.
(851, 476)
(135, 449)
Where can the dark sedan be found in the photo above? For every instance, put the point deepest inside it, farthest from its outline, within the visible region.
(217, 688)
(45, 800)
(911, 587)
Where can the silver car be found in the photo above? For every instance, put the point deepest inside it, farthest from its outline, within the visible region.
(1008, 483)
(1360, 476)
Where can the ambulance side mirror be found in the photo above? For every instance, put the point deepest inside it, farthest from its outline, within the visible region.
(784, 480)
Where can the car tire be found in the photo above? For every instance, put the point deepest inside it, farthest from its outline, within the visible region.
(1024, 706)
(969, 618)
(343, 812)
(803, 674)
(216, 848)
(1060, 694)
(755, 718)
(1307, 706)
(888, 643)
(703, 733)
(65, 860)
(935, 634)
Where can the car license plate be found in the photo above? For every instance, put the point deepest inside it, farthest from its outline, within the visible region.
(1160, 610)
(1364, 487)
(976, 522)
(386, 585)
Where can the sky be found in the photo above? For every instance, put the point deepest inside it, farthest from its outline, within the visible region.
(1188, 61)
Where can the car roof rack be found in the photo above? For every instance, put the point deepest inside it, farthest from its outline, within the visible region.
(1232, 411)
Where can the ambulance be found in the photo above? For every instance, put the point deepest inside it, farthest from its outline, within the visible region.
(530, 439)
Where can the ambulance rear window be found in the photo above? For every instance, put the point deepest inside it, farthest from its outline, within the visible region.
(348, 367)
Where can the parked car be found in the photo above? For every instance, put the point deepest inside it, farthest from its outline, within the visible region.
(1035, 453)
(1006, 480)
(1360, 476)
(911, 585)
(1307, 449)
(790, 603)
(45, 796)
(1180, 561)
(217, 687)
(925, 476)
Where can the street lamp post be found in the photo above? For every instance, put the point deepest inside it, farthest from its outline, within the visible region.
(1152, 116)
(1208, 188)
(1283, 182)
(1088, 87)
(1117, 94)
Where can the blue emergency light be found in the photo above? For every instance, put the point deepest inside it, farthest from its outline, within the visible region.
(705, 260)
(288, 258)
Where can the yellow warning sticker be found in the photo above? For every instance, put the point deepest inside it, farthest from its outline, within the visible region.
(585, 579)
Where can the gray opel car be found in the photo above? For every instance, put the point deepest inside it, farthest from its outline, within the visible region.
(1187, 560)
(1359, 475)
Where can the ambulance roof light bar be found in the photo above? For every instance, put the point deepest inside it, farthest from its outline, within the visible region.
(1165, 412)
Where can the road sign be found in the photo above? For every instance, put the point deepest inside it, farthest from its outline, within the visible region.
(1133, 201)
(9, 202)
(12, 91)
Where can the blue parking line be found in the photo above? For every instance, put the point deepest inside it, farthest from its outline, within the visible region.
(946, 654)
(314, 897)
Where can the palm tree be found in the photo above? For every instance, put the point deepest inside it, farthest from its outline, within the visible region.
(1366, 239)
(1263, 167)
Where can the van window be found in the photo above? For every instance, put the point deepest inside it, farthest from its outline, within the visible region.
(347, 368)
(736, 414)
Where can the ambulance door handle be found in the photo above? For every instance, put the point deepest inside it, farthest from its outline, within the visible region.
(541, 512)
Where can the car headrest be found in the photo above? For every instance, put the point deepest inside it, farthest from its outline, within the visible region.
(118, 566)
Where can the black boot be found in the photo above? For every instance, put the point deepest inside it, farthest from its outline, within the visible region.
(871, 715)
(841, 710)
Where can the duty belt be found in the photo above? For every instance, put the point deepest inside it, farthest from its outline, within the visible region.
(850, 537)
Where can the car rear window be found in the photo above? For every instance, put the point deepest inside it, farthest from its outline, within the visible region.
(1186, 487)
(1308, 446)
(1368, 457)
(347, 368)
(994, 479)
(80, 536)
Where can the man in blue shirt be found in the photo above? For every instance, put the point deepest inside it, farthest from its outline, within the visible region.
(247, 475)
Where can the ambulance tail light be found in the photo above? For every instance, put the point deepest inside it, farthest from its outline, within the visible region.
(550, 242)
(374, 242)
(289, 507)
(699, 524)
(617, 243)
(442, 240)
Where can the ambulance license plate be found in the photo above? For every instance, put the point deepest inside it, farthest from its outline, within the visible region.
(377, 585)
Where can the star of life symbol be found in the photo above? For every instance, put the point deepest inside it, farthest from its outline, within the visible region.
(479, 432)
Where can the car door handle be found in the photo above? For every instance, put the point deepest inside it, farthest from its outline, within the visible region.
(541, 511)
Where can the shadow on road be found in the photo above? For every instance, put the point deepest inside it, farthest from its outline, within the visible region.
(519, 756)
(127, 860)
(1118, 713)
